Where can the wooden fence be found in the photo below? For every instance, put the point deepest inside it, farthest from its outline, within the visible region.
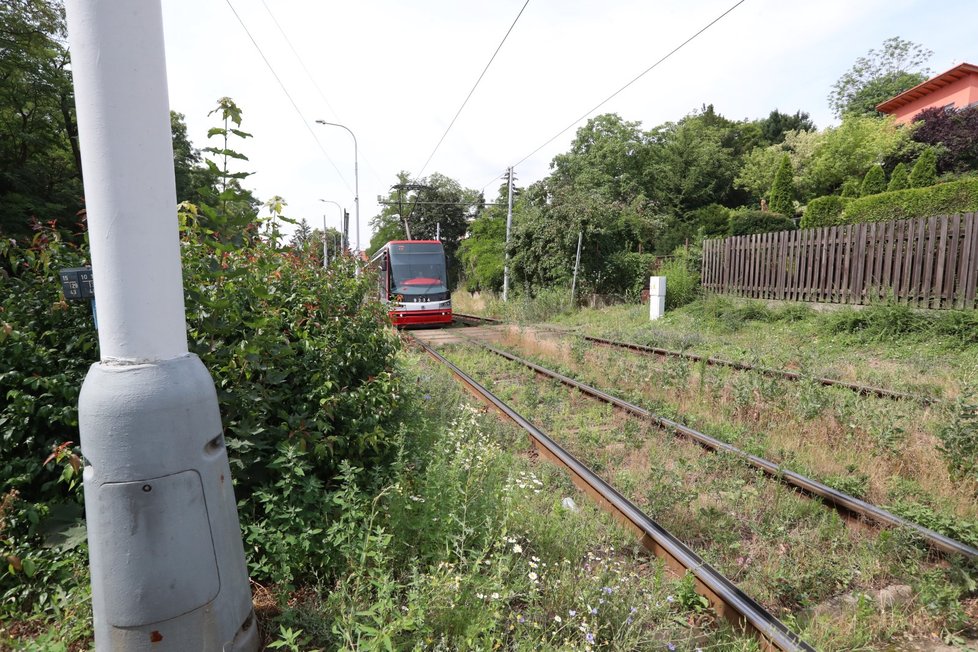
(928, 263)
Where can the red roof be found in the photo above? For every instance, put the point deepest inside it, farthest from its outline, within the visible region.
(934, 83)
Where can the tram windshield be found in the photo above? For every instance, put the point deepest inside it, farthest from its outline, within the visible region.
(418, 270)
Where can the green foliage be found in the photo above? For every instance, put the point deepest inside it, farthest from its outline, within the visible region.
(756, 175)
(959, 439)
(40, 163)
(942, 199)
(891, 321)
(711, 221)
(824, 211)
(748, 222)
(874, 182)
(850, 189)
(848, 151)
(482, 254)
(682, 277)
(878, 76)
(924, 171)
(899, 178)
(783, 189)
(627, 273)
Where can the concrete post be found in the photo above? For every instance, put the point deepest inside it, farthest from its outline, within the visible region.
(167, 565)
(577, 263)
(657, 297)
(509, 224)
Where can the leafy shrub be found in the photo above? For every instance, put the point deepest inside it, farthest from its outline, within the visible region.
(924, 171)
(627, 272)
(824, 211)
(713, 220)
(682, 278)
(942, 199)
(874, 182)
(899, 178)
(959, 439)
(750, 222)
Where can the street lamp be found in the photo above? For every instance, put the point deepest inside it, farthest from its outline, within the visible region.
(329, 201)
(356, 174)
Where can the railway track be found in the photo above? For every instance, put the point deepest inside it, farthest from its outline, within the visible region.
(724, 596)
(846, 503)
(865, 390)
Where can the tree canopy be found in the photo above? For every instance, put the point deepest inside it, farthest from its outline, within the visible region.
(879, 75)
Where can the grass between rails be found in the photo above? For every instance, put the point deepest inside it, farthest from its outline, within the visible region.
(471, 548)
(886, 345)
(786, 550)
(880, 450)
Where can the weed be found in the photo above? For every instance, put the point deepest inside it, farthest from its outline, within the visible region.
(959, 439)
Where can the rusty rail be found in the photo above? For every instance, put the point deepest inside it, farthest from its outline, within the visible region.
(724, 596)
(865, 390)
(834, 497)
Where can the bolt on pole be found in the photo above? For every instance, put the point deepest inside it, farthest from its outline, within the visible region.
(167, 564)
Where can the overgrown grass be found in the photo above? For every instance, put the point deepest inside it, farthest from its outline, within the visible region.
(471, 548)
(788, 551)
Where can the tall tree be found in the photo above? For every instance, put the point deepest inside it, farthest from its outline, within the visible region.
(878, 76)
(776, 125)
(783, 189)
(40, 163)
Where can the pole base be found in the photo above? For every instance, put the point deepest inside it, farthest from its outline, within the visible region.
(167, 564)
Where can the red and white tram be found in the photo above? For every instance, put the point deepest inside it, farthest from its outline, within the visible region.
(412, 280)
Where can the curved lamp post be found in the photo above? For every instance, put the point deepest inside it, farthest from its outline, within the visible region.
(356, 173)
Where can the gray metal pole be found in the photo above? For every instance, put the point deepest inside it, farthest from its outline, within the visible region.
(167, 565)
(509, 224)
(577, 263)
(330, 201)
(325, 250)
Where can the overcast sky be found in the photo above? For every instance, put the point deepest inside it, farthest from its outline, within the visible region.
(396, 73)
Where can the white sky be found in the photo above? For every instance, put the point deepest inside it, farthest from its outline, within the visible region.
(396, 72)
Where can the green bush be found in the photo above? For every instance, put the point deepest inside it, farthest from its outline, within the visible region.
(942, 199)
(874, 182)
(750, 222)
(924, 171)
(713, 220)
(824, 211)
(304, 368)
(783, 189)
(899, 178)
(627, 272)
(682, 277)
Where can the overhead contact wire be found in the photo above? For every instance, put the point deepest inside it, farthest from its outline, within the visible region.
(476, 85)
(288, 95)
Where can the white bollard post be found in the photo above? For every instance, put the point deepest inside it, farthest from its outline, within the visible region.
(657, 297)
(167, 564)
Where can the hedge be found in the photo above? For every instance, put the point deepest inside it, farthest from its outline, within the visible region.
(824, 211)
(942, 199)
(751, 222)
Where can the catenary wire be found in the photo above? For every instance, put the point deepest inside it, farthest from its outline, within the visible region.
(476, 85)
(288, 95)
(363, 160)
(620, 90)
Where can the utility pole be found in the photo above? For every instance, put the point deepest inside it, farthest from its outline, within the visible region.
(167, 565)
(509, 224)
(577, 264)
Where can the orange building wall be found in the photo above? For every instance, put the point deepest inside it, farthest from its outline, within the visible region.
(961, 93)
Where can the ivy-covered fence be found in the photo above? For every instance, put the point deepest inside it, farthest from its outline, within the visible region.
(927, 263)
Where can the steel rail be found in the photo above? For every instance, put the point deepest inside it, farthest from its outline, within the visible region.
(724, 596)
(865, 390)
(836, 498)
